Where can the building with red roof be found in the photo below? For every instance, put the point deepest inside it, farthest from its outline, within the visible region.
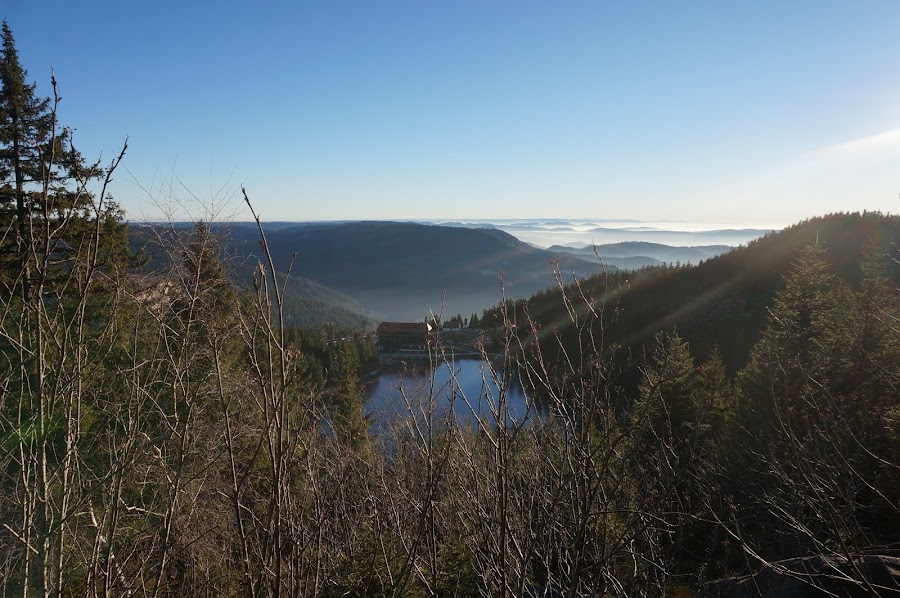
(394, 336)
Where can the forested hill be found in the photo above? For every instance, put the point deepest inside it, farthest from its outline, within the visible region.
(307, 303)
(402, 269)
(636, 254)
(722, 302)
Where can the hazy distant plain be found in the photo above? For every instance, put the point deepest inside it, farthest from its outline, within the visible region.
(581, 232)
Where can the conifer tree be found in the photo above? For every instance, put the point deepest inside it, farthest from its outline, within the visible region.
(205, 281)
(46, 210)
(873, 404)
(806, 345)
(803, 424)
(346, 405)
(61, 248)
(25, 121)
(668, 393)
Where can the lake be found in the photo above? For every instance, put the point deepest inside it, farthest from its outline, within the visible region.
(469, 392)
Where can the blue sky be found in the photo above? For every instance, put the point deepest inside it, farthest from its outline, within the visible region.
(728, 112)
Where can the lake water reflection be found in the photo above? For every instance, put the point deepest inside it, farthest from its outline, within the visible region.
(469, 392)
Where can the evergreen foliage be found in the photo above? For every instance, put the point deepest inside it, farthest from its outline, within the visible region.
(44, 189)
(64, 257)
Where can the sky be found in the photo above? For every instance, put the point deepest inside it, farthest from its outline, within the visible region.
(752, 113)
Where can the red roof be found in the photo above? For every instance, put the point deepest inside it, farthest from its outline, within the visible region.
(400, 327)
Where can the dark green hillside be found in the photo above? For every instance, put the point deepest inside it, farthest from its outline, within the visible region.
(307, 303)
(403, 269)
(724, 301)
(627, 263)
(346, 272)
(366, 255)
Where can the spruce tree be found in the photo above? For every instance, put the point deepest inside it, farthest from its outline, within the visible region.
(804, 423)
(667, 411)
(212, 296)
(805, 348)
(61, 248)
(46, 209)
(346, 407)
(24, 122)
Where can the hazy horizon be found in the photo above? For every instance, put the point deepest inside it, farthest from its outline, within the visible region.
(546, 232)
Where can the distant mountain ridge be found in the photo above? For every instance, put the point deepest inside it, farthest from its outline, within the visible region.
(403, 269)
(637, 254)
(549, 232)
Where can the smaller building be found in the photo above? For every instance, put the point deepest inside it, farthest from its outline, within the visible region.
(403, 336)
(453, 323)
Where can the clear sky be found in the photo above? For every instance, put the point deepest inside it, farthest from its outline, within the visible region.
(742, 112)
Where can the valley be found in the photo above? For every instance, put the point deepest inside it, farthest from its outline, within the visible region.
(347, 272)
